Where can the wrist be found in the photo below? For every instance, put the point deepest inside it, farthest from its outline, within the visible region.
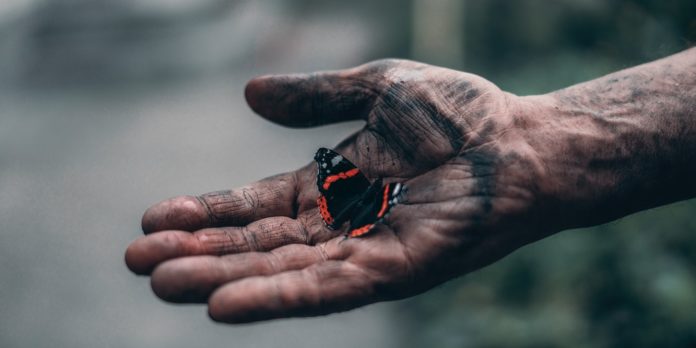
(561, 147)
(580, 157)
(602, 162)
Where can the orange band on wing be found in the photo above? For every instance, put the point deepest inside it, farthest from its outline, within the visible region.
(360, 231)
(345, 175)
(385, 202)
(324, 210)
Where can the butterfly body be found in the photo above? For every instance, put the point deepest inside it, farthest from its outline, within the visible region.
(347, 195)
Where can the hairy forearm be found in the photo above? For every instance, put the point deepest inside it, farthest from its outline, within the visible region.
(619, 144)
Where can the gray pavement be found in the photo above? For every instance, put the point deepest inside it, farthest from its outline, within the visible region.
(106, 109)
(78, 168)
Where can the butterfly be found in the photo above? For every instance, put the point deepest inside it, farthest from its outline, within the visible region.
(346, 194)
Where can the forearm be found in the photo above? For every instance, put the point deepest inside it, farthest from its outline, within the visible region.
(619, 144)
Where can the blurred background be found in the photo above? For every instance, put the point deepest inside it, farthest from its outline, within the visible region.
(107, 106)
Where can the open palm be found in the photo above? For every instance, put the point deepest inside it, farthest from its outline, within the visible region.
(262, 251)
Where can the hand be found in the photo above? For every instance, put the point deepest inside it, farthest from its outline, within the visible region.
(262, 251)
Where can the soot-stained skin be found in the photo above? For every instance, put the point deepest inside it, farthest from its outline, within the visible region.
(426, 119)
(453, 136)
(448, 136)
(487, 172)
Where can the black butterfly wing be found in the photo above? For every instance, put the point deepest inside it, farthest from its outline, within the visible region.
(341, 186)
(373, 207)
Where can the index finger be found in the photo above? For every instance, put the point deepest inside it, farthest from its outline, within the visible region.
(273, 196)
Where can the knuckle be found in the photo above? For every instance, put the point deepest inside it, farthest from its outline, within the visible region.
(297, 231)
(323, 253)
(314, 297)
(223, 241)
(250, 239)
(272, 263)
(222, 206)
(251, 198)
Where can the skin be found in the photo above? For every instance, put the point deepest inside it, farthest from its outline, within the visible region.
(486, 172)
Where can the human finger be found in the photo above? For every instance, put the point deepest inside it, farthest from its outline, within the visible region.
(266, 234)
(322, 288)
(274, 196)
(193, 279)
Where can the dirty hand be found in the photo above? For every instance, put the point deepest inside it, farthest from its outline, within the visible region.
(485, 172)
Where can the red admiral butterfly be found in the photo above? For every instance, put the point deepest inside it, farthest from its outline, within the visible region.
(346, 194)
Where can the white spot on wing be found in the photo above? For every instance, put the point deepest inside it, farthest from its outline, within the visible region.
(397, 189)
(336, 160)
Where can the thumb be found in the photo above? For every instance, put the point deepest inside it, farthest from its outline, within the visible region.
(305, 100)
